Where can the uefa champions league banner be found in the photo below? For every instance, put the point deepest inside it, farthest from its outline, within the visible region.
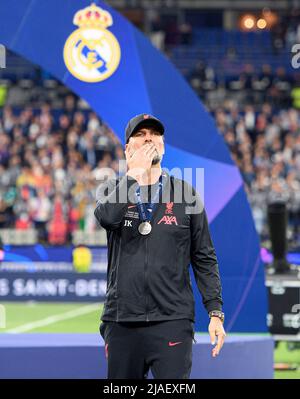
(101, 57)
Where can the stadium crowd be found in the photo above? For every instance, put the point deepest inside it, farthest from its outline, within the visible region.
(50, 165)
(265, 145)
(247, 85)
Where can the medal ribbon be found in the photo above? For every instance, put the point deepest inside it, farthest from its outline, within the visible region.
(146, 214)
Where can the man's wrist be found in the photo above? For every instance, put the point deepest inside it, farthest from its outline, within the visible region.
(217, 313)
(135, 174)
(131, 174)
(139, 174)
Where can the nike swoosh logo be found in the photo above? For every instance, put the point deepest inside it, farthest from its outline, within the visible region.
(131, 206)
(174, 343)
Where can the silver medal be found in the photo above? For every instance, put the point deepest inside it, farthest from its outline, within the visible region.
(145, 228)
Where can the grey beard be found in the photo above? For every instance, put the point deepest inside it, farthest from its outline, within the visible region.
(157, 158)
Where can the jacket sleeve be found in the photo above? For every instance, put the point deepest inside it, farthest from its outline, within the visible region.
(204, 262)
(112, 202)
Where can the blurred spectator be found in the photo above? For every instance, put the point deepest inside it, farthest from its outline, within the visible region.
(23, 222)
(40, 212)
(58, 226)
(281, 88)
(4, 222)
(202, 78)
(186, 34)
(157, 34)
(279, 32)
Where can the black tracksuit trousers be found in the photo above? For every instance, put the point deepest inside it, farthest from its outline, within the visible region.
(132, 348)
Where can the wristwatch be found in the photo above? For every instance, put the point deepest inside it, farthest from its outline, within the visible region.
(217, 313)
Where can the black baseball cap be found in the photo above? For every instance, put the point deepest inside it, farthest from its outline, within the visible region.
(143, 120)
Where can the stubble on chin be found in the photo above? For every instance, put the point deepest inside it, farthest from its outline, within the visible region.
(157, 158)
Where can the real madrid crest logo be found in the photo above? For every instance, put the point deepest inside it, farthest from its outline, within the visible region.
(92, 53)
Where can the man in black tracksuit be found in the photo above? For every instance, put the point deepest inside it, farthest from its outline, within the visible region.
(156, 227)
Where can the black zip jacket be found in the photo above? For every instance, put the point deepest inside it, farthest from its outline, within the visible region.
(148, 276)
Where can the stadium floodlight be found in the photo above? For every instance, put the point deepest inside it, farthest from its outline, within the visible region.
(261, 23)
(247, 22)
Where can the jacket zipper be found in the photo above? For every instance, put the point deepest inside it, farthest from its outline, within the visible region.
(116, 295)
(146, 277)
